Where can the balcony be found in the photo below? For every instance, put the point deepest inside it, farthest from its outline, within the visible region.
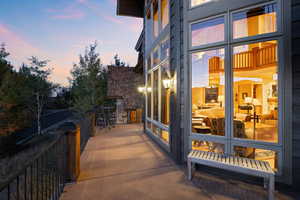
(256, 59)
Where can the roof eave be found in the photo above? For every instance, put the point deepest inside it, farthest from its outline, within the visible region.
(130, 8)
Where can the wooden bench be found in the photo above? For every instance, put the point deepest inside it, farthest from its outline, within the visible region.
(235, 164)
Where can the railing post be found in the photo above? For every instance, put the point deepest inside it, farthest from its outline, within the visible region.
(73, 154)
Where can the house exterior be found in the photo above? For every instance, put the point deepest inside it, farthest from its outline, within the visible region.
(222, 76)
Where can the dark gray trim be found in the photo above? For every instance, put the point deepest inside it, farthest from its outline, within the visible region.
(176, 136)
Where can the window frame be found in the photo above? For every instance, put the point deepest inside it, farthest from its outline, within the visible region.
(151, 70)
(228, 44)
(260, 36)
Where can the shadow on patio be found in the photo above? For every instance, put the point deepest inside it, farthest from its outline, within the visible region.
(125, 164)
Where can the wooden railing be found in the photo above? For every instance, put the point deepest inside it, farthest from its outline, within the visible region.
(257, 58)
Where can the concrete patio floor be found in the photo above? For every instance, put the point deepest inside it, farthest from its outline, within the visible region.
(125, 164)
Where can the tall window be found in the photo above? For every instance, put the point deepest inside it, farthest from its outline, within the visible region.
(161, 87)
(155, 95)
(164, 13)
(208, 90)
(149, 97)
(148, 27)
(165, 94)
(238, 114)
(155, 19)
(158, 70)
(255, 91)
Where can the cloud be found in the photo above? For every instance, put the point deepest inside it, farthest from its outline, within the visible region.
(81, 1)
(72, 15)
(112, 19)
(69, 12)
(20, 50)
(17, 46)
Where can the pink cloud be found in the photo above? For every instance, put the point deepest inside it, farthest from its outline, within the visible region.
(70, 12)
(112, 19)
(114, 2)
(17, 46)
(72, 15)
(81, 1)
(20, 50)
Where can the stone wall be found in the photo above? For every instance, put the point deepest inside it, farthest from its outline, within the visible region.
(123, 83)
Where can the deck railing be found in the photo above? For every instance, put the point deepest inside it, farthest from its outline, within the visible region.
(257, 58)
(42, 179)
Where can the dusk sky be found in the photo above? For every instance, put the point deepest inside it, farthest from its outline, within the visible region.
(59, 30)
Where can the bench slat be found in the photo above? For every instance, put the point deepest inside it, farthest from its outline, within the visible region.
(246, 163)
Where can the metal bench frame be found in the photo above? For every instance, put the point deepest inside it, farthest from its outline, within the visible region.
(235, 164)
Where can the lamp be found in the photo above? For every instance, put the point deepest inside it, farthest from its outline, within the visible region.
(168, 83)
(220, 99)
(254, 102)
(141, 89)
(248, 100)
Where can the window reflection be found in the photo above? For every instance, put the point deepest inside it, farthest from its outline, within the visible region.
(165, 49)
(160, 133)
(165, 136)
(156, 59)
(208, 146)
(149, 91)
(155, 19)
(165, 94)
(207, 32)
(198, 2)
(164, 13)
(256, 21)
(256, 91)
(148, 27)
(258, 154)
(155, 94)
(149, 125)
(208, 97)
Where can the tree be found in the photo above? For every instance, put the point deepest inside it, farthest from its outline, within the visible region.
(118, 61)
(88, 81)
(40, 87)
(22, 92)
(4, 64)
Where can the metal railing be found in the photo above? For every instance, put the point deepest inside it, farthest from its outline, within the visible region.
(43, 178)
(106, 117)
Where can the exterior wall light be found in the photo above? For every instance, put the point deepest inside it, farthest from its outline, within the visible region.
(141, 89)
(168, 83)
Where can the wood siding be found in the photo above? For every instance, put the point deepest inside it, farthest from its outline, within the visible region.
(296, 89)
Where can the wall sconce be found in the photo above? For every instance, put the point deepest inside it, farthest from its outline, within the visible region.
(141, 89)
(144, 89)
(168, 83)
